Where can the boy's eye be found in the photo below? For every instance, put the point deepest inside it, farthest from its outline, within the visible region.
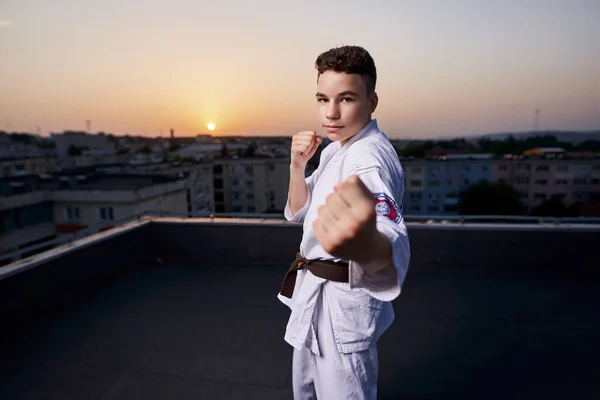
(321, 99)
(346, 99)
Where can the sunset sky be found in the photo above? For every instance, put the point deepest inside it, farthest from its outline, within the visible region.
(446, 68)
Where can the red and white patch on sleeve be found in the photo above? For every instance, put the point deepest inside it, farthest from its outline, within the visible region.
(387, 207)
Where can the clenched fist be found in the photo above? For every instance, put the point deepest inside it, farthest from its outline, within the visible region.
(346, 226)
(304, 146)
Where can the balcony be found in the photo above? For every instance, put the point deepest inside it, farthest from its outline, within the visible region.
(165, 308)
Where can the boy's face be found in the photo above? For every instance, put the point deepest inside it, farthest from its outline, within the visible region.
(343, 105)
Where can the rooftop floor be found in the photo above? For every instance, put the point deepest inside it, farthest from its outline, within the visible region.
(209, 331)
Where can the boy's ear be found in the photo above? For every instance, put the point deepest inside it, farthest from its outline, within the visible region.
(374, 101)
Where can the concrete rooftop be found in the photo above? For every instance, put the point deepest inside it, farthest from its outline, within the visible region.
(130, 315)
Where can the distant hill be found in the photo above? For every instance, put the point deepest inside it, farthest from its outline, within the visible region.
(572, 137)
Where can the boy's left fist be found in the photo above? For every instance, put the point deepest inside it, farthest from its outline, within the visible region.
(346, 224)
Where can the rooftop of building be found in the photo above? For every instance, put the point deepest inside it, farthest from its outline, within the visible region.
(186, 308)
(80, 181)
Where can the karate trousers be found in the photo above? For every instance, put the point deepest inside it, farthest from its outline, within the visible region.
(332, 375)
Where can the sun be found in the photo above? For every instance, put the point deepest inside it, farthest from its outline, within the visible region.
(211, 126)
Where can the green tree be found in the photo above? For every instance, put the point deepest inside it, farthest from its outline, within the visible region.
(485, 198)
(174, 147)
(553, 207)
(76, 151)
(250, 151)
(412, 150)
(144, 150)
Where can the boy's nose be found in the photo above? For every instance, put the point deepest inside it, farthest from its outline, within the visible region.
(333, 112)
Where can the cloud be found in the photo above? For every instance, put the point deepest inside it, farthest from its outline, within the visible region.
(5, 23)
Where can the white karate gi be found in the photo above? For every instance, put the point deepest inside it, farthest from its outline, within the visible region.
(334, 326)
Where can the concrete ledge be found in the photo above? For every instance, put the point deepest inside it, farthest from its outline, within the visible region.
(32, 290)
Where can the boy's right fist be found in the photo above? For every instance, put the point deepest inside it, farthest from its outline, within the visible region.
(304, 146)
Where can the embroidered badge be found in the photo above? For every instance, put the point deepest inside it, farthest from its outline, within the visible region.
(387, 207)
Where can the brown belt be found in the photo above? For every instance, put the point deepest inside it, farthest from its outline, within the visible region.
(330, 270)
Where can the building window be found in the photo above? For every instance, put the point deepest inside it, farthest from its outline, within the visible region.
(522, 181)
(271, 167)
(580, 196)
(272, 197)
(541, 182)
(250, 196)
(106, 214)
(250, 170)
(251, 209)
(250, 184)
(466, 168)
(523, 195)
(595, 181)
(580, 181)
(562, 168)
(218, 169)
(434, 183)
(542, 168)
(235, 182)
(523, 167)
(450, 208)
(435, 171)
(562, 181)
(416, 170)
(432, 209)
(503, 167)
(219, 197)
(484, 168)
(415, 183)
(72, 213)
(237, 209)
(218, 183)
(414, 196)
(539, 196)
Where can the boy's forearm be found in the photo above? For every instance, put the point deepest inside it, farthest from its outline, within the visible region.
(298, 191)
(379, 254)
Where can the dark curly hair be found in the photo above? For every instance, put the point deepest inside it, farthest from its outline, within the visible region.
(351, 60)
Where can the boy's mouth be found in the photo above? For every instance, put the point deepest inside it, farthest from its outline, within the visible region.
(332, 128)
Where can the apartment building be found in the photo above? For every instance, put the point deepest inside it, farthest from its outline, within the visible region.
(65, 140)
(433, 186)
(226, 185)
(571, 178)
(251, 185)
(414, 186)
(19, 166)
(199, 178)
(26, 212)
(82, 201)
(34, 208)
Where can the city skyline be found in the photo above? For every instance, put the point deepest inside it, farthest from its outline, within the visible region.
(459, 69)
